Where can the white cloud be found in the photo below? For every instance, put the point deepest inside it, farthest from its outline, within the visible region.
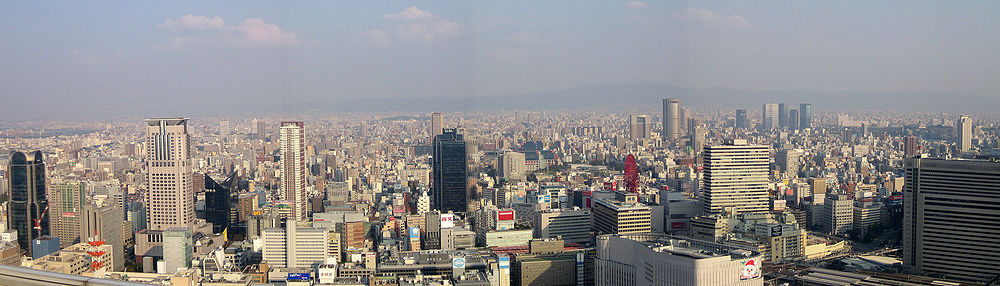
(194, 22)
(713, 20)
(412, 13)
(427, 31)
(196, 31)
(635, 5)
(377, 37)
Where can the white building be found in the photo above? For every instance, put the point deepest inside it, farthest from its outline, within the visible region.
(736, 178)
(651, 259)
(168, 174)
(293, 168)
(297, 245)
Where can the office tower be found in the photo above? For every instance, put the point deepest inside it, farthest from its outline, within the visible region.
(450, 172)
(293, 168)
(261, 129)
(512, 165)
(697, 139)
(621, 215)
(671, 119)
(910, 146)
(736, 177)
(168, 174)
(297, 246)
(639, 127)
(838, 214)
(683, 120)
(66, 199)
(793, 119)
(221, 203)
(436, 126)
(224, 127)
(741, 119)
(782, 115)
(867, 214)
(769, 116)
(964, 129)
(950, 218)
(28, 200)
(105, 223)
(656, 259)
(788, 160)
(177, 248)
(805, 116)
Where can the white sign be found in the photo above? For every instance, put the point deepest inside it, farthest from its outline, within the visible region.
(458, 262)
(447, 221)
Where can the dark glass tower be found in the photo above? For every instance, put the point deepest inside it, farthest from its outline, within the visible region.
(805, 116)
(221, 201)
(741, 119)
(782, 115)
(450, 172)
(26, 189)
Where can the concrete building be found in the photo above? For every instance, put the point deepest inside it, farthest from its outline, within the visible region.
(736, 178)
(66, 199)
(805, 116)
(178, 249)
(572, 225)
(296, 246)
(770, 117)
(964, 130)
(435, 126)
(512, 165)
(74, 260)
(950, 218)
(168, 174)
(104, 222)
(504, 238)
(651, 259)
(639, 127)
(28, 197)
(450, 169)
(293, 168)
(671, 119)
(623, 214)
(867, 214)
(838, 214)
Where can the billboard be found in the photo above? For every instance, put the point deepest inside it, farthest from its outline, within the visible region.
(546, 198)
(505, 215)
(298, 277)
(447, 220)
(750, 270)
(458, 262)
(678, 225)
(503, 261)
(414, 232)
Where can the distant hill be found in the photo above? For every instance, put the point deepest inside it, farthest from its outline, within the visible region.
(649, 96)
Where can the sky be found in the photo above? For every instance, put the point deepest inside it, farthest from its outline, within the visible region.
(92, 59)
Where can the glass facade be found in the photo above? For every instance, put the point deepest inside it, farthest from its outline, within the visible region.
(27, 197)
(450, 172)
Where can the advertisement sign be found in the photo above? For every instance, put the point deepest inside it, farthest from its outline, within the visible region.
(503, 261)
(414, 232)
(545, 199)
(447, 220)
(458, 262)
(298, 277)
(750, 270)
(678, 225)
(505, 215)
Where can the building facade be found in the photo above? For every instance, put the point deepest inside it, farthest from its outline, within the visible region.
(450, 168)
(26, 188)
(736, 178)
(293, 168)
(168, 174)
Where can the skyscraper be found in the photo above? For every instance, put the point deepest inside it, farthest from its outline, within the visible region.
(741, 119)
(450, 172)
(293, 168)
(793, 119)
(950, 218)
(28, 200)
(964, 129)
(639, 127)
(782, 115)
(66, 199)
(805, 116)
(910, 146)
(261, 129)
(437, 124)
(221, 202)
(736, 177)
(168, 173)
(769, 116)
(671, 119)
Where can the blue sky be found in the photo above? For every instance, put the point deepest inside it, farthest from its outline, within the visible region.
(138, 57)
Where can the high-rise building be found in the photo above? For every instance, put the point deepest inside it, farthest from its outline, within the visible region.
(178, 249)
(950, 218)
(782, 115)
(910, 146)
(224, 127)
(639, 127)
(261, 129)
(656, 259)
(66, 199)
(222, 203)
(683, 120)
(769, 116)
(741, 119)
(697, 139)
(621, 215)
(450, 170)
(736, 177)
(512, 165)
(805, 116)
(436, 126)
(838, 214)
(964, 129)
(671, 119)
(104, 223)
(28, 200)
(168, 174)
(297, 246)
(570, 225)
(793, 119)
(293, 168)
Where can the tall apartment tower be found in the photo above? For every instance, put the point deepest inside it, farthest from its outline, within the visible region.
(742, 121)
(66, 200)
(261, 129)
(293, 168)
(671, 119)
(736, 177)
(782, 115)
(793, 119)
(28, 200)
(805, 116)
(950, 218)
(964, 124)
(450, 172)
(910, 146)
(769, 116)
(168, 174)
(437, 124)
(639, 127)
